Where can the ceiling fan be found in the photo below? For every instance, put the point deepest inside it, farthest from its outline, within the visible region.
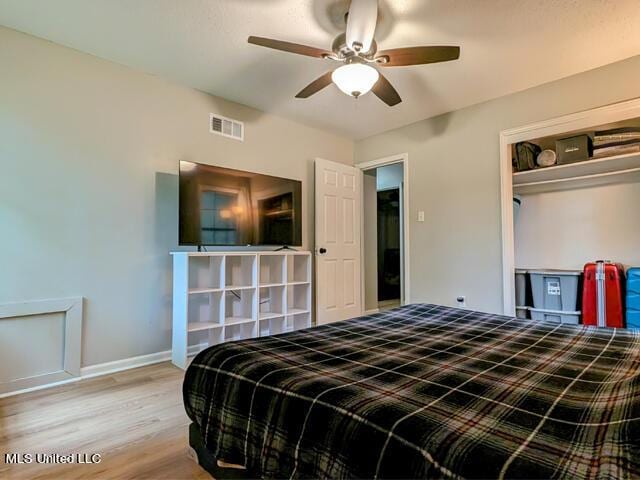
(358, 51)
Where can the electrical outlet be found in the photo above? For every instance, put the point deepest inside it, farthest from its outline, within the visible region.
(461, 301)
(421, 216)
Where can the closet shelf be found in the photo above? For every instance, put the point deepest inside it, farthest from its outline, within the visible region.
(590, 173)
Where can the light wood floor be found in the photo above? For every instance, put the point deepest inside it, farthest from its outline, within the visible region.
(388, 304)
(134, 419)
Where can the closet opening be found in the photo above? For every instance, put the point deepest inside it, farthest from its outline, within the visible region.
(570, 190)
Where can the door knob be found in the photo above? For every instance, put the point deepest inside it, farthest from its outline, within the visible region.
(322, 251)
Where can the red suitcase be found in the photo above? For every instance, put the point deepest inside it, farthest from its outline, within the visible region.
(602, 294)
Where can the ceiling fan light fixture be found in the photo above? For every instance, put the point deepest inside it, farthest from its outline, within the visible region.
(355, 79)
(358, 50)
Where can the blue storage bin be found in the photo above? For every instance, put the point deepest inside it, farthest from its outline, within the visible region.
(633, 298)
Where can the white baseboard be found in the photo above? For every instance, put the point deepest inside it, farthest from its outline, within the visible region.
(372, 311)
(124, 364)
(112, 367)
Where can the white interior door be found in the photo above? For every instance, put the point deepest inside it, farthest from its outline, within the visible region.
(337, 250)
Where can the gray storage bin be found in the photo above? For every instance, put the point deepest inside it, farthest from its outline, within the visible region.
(521, 288)
(555, 289)
(522, 312)
(572, 318)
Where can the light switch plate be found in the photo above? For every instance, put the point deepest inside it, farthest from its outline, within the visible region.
(421, 216)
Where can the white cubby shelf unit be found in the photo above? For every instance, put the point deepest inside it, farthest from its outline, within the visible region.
(226, 296)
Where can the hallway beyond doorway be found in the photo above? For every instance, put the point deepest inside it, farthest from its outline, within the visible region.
(383, 236)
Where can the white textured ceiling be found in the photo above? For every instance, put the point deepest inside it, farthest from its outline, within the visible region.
(507, 46)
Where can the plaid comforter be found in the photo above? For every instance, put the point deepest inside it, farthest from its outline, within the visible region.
(424, 391)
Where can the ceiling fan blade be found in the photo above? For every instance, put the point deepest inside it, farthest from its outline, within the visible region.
(315, 86)
(289, 47)
(401, 57)
(385, 92)
(361, 24)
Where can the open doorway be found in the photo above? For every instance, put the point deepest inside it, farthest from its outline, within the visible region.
(383, 236)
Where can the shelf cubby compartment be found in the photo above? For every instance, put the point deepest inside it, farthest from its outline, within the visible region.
(239, 331)
(273, 326)
(240, 271)
(216, 336)
(272, 269)
(298, 268)
(272, 302)
(298, 321)
(239, 306)
(205, 338)
(206, 274)
(206, 311)
(298, 298)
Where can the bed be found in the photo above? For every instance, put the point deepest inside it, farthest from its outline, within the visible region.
(422, 391)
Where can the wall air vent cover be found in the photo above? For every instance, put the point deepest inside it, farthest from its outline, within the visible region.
(226, 127)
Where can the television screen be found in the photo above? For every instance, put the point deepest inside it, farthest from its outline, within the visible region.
(226, 207)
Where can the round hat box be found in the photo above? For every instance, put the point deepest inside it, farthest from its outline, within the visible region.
(546, 158)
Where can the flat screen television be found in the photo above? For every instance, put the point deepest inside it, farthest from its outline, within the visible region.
(227, 207)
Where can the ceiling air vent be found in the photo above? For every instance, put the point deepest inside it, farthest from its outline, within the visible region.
(226, 127)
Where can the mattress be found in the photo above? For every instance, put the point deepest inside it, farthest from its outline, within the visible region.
(423, 391)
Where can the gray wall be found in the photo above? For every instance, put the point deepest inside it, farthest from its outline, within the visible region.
(389, 176)
(89, 153)
(455, 179)
(595, 223)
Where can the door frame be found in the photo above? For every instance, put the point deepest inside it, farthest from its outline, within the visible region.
(405, 254)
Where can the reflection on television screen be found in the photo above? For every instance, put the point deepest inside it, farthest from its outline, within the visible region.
(224, 207)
